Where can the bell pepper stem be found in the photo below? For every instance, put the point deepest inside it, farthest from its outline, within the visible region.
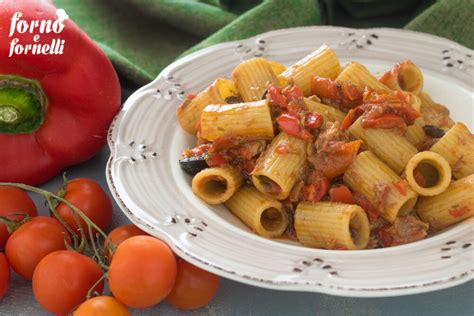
(23, 105)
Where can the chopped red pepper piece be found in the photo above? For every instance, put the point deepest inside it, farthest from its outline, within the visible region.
(341, 194)
(293, 93)
(372, 212)
(216, 160)
(291, 125)
(459, 212)
(276, 98)
(386, 121)
(344, 94)
(314, 192)
(313, 120)
(348, 120)
(282, 149)
(249, 166)
(401, 186)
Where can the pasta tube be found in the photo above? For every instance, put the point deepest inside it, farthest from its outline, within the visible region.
(332, 225)
(216, 185)
(415, 133)
(415, 101)
(380, 185)
(451, 206)
(277, 68)
(329, 113)
(252, 78)
(457, 146)
(189, 112)
(279, 166)
(261, 213)
(241, 119)
(428, 173)
(434, 113)
(392, 148)
(358, 75)
(323, 62)
(404, 76)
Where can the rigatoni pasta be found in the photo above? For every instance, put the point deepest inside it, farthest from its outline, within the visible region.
(328, 155)
(415, 133)
(332, 225)
(189, 112)
(252, 78)
(434, 113)
(216, 185)
(279, 166)
(322, 62)
(261, 213)
(394, 149)
(329, 113)
(428, 173)
(358, 75)
(404, 76)
(240, 119)
(376, 181)
(457, 146)
(451, 206)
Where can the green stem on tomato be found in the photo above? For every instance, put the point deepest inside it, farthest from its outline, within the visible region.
(60, 219)
(91, 290)
(94, 247)
(76, 211)
(13, 225)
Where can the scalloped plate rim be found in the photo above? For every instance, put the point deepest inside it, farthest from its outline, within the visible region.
(409, 290)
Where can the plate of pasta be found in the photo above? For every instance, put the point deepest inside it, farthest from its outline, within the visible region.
(320, 159)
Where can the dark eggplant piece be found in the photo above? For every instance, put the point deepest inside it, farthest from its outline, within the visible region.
(433, 131)
(192, 165)
(233, 99)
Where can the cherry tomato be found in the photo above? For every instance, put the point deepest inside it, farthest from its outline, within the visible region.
(13, 200)
(121, 233)
(32, 242)
(194, 287)
(90, 198)
(4, 275)
(62, 279)
(142, 272)
(102, 306)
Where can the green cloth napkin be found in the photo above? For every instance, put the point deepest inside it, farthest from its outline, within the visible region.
(141, 37)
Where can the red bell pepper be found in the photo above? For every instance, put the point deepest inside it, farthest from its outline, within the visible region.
(55, 109)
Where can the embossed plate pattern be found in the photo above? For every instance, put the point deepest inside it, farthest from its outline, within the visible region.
(145, 179)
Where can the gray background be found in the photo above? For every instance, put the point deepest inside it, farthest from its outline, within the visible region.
(239, 299)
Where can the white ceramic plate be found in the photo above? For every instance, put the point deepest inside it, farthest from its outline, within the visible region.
(146, 143)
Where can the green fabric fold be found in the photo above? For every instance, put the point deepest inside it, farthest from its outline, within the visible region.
(270, 15)
(453, 19)
(141, 37)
